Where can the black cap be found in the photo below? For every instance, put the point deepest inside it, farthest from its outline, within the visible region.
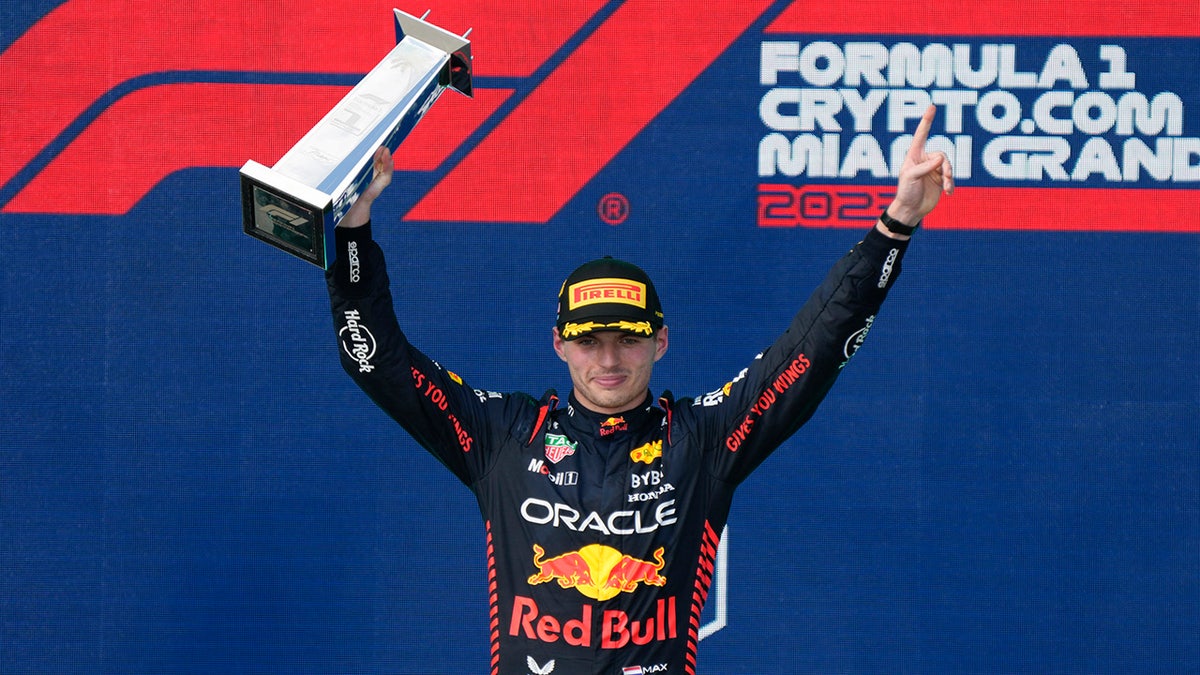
(608, 294)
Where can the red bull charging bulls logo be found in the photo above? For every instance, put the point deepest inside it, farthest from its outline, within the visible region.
(597, 571)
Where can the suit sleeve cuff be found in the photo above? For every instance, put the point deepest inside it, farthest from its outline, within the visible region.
(878, 246)
(350, 269)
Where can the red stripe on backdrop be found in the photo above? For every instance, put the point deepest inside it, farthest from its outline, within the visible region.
(587, 110)
(153, 132)
(1067, 210)
(1065, 18)
(84, 49)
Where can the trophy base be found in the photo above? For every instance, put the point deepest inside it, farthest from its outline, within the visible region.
(288, 215)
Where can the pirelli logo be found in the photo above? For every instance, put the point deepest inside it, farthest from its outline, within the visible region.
(595, 291)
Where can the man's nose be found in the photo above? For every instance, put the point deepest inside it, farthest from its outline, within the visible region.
(609, 354)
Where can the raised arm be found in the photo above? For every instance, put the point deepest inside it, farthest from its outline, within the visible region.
(753, 414)
(434, 405)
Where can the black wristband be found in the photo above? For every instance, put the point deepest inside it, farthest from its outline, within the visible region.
(896, 227)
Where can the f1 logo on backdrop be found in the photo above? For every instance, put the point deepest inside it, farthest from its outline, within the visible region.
(142, 90)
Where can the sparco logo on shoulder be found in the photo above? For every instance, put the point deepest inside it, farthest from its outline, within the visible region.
(355, 268)
(887, 267)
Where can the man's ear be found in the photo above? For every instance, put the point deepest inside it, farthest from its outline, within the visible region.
(660, 343)
(558, 343)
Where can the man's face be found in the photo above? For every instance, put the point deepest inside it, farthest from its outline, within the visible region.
(611, 370)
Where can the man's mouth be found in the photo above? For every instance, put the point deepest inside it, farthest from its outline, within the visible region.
(609, 381)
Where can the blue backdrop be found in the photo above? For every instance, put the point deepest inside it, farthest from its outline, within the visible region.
(1005, 479)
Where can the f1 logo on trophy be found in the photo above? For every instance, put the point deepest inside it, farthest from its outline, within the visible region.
(295, 204)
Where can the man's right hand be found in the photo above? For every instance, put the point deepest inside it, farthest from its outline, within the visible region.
(360, 212)
(924, 177)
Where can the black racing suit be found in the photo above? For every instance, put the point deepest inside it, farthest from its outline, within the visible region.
(602, 529)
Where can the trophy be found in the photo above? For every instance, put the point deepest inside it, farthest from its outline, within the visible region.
(295, 204)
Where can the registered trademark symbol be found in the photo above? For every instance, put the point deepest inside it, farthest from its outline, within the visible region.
(613, 208)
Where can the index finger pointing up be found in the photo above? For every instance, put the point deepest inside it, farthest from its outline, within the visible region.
(917, 150)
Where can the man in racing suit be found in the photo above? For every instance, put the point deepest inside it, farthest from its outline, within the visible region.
(602, 513)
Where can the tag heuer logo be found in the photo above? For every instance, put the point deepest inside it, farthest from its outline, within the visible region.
(558, 447)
